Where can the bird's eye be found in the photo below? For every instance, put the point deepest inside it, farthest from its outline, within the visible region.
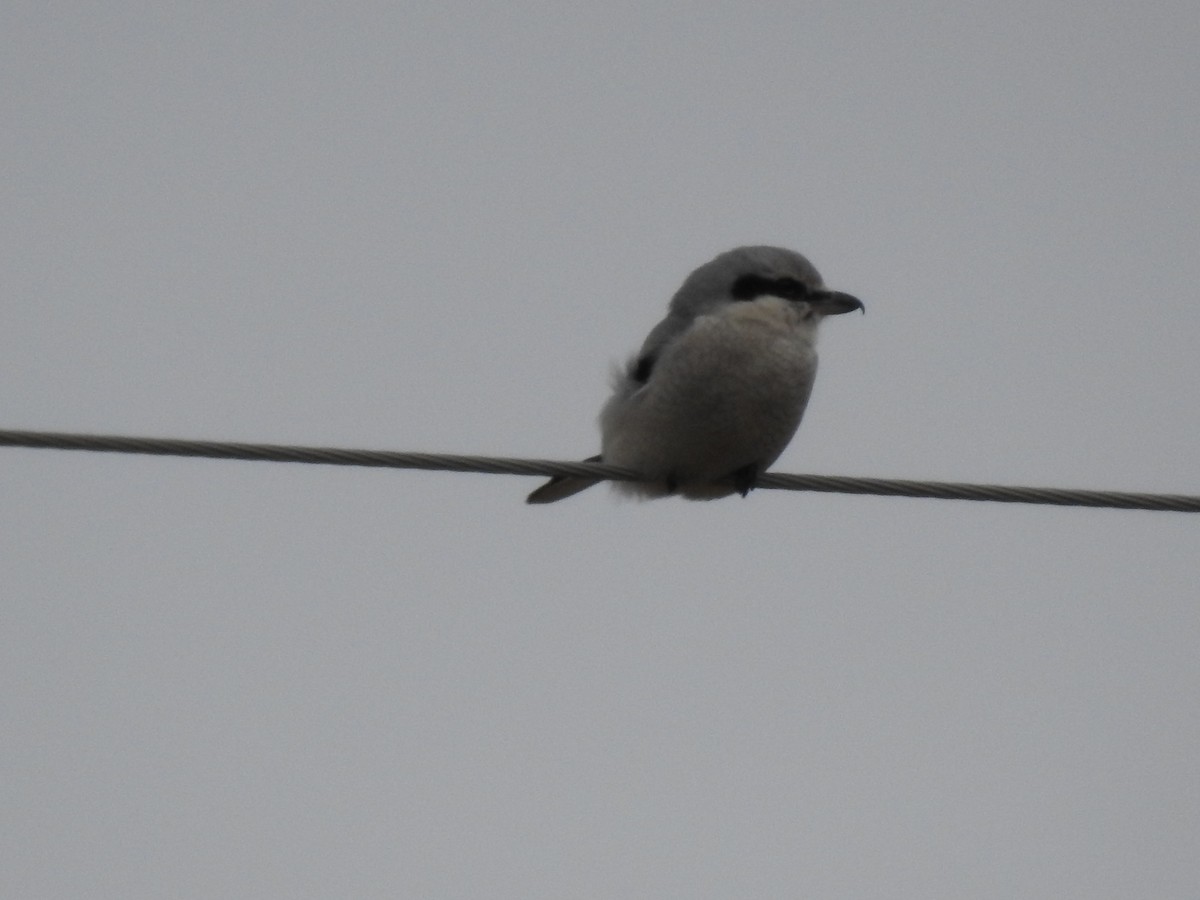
(791, 289)
(748, 287)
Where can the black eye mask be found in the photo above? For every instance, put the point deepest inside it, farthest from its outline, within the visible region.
(749, 287)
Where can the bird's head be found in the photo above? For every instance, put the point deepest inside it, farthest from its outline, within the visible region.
(749, 273)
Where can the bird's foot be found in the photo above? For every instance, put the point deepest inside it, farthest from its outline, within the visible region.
(745, 478)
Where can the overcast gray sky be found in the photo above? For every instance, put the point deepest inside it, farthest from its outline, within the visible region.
(434, 226)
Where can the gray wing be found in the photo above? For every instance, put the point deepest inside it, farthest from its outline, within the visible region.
(628, 380)
(641, 366)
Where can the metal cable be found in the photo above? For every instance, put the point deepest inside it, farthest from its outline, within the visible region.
(501, 466)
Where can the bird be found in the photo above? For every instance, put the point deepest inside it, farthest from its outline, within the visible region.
(719, 386)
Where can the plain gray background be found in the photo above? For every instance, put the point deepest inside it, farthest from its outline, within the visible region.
(434, 226)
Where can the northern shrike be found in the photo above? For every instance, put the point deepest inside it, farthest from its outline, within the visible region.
(719, 386)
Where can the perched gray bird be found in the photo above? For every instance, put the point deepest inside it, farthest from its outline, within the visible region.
(720, 384)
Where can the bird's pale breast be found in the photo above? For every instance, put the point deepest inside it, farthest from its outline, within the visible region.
(727, 393)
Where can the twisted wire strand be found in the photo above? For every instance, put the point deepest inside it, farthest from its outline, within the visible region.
(335, 456)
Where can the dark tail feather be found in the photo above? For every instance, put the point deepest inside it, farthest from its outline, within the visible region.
(562, 486)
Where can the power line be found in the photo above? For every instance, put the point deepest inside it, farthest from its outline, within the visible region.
(491, 465)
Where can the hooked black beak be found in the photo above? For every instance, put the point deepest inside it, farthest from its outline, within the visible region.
(834, 303)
